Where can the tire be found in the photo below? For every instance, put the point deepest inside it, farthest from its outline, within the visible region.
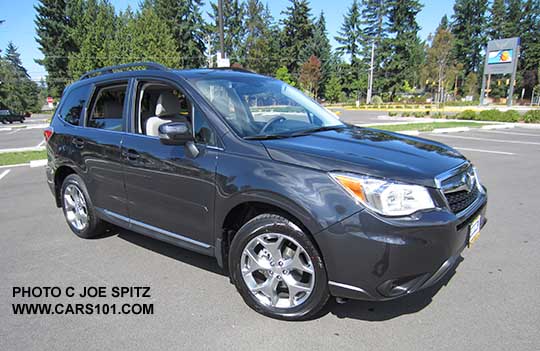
(21, 120)
(248, 250)
(74, 188)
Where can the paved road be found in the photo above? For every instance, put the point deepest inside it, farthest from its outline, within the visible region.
(490, 302)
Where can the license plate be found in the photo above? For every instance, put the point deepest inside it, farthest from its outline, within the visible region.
(474, 230)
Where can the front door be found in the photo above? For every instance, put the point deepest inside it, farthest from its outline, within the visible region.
(168, 189)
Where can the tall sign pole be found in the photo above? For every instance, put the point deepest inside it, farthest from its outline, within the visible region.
(220, 20)
(501, 58)
(370, 83)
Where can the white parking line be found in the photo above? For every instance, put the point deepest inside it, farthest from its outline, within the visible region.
(5, 173)
(40, 144)
(15, 131)
(486, 151)
(488, 140)
(509, 133)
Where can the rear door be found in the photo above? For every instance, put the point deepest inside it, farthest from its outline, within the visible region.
(170, 191)
(99, 142)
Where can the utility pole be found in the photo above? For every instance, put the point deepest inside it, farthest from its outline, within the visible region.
(221, 40)
(370, 83)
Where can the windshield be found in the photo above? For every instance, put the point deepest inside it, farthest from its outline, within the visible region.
(256, 106)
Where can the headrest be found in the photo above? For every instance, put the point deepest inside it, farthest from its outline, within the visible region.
(167, 104)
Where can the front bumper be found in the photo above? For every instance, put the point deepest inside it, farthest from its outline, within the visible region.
(370, 257)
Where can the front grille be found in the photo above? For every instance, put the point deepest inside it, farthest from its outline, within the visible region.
(460, 200)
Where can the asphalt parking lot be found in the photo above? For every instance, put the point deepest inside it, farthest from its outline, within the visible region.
(490, 301)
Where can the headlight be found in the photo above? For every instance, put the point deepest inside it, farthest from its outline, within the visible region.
(477, 180)
(386, 197)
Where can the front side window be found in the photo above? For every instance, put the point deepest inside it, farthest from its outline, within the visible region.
(259, 106)
(108, 108)
(160, 103)
(73, 105)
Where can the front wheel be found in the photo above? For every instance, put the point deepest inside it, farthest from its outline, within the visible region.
(277, 269)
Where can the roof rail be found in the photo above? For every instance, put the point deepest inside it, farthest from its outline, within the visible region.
(110, 69)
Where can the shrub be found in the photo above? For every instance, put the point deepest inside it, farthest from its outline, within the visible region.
(467, 115)
(511, 116)
(405, 114)
(499, 116)
(419, 114)
(376, 100)
(392, 113)
(437, 115)
(490, 115)
(532, 116)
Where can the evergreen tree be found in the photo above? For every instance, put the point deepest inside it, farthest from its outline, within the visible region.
(297, 35)
(497, 16)
(322, 50)
(373, 15)
(350, 35)
(97, 29)
(262, 45)
(469, 27)
(144, 37)
(18, 92)
(52, 29)
(403, 65)
(234, 31)
(333, 89)
(530, 46)
(512, 21)
(184, 19)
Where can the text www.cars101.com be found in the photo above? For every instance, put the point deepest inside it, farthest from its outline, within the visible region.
(82, 308)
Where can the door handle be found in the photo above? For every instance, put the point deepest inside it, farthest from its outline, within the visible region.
(78, 143)
(131, 155)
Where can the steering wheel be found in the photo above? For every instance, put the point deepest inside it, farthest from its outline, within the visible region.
(270, 122)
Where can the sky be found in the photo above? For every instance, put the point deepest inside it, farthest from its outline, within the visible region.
(19, 22)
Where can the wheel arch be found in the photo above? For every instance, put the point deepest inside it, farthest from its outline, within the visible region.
(59, 175)
(243, 211)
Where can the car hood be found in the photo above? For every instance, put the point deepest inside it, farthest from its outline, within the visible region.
(368, 151)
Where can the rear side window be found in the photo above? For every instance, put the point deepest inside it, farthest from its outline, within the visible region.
(108, 108)
(73, 105)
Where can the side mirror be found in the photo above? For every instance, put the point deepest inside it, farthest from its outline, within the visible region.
(175, 133)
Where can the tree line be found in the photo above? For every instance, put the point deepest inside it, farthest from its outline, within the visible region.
(79, 35)
(17, 91)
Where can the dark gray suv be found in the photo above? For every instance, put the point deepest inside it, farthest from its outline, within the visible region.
(296, 205)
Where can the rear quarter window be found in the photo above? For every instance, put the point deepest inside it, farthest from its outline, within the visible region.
(72, 107)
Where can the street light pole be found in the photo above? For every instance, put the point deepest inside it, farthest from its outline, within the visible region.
(220, 20)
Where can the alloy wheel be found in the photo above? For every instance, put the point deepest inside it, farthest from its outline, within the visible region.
(75, 206)
(277, 270)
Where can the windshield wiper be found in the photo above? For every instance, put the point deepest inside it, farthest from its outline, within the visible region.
(266, 136)
(318, 129)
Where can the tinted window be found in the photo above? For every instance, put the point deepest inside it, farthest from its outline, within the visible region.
(202, 130)
(107, 111)
(73, 105)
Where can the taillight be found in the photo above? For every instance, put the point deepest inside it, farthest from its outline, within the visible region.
(48, 133)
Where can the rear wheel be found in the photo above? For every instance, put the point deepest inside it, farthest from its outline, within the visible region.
(277, 269)
(78, 209)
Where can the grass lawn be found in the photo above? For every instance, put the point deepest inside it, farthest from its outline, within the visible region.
(426, 127)
(13, 158)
